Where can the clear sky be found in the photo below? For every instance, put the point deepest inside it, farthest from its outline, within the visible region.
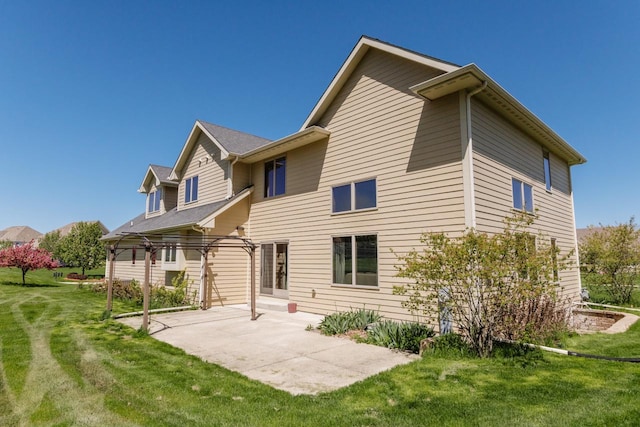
(91, 92)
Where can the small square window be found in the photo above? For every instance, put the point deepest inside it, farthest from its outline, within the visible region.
(355, 260)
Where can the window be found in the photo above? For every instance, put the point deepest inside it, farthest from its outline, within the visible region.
(274, 177)
(191, 189)
(547, 170)
(154, 201)
(354, 196)
(522, 195)
(355, 260)
(170, 252)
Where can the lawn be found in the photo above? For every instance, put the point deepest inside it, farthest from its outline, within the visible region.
(61, 365)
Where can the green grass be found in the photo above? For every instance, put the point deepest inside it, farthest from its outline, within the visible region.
(61, 365)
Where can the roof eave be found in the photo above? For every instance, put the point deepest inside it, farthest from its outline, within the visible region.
(352, 61)
(188, 146)
(208, 220)
(470, 77)
(299, 139)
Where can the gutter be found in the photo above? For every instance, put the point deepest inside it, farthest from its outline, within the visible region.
(230, 178)
(468, 155)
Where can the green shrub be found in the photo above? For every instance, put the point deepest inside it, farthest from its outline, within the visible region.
(340, 323)
(450, 345)
(399, 335)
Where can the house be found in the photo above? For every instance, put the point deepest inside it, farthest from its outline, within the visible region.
(398, 144)
(19, 234)
(66, 229)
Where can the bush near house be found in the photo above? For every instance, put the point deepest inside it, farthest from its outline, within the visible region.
(489, 286)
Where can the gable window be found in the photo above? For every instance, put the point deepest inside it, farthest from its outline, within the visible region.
(154, 201)
(191, 189)
(275, 177)
(354, 196)
(522, 195)
(547, 170)
(355, 260)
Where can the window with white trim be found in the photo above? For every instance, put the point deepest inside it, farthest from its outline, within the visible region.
(191, 189)
(154, 201)
(357, 195)
(522, 195)
(355, 260)
(170, 251)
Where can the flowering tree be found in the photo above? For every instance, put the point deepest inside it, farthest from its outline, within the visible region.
(26, 257)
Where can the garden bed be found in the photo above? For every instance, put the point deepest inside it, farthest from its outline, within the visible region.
(590, 321)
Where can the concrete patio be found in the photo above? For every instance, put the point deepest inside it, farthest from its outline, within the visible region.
(274, 349)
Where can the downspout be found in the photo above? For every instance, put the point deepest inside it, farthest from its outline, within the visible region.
(230, 178)
(468, 156)
(202, 266)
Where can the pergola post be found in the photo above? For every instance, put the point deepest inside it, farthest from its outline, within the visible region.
(112, 259)
(205, 277)
(252, 255)
(145, 301)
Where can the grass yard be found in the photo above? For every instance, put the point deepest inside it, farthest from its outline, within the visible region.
(61, 365)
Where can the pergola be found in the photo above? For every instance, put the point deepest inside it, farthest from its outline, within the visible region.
(203, 244)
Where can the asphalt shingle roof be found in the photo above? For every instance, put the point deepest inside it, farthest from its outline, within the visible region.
(234, 141)
(172, 219)
(162, 172)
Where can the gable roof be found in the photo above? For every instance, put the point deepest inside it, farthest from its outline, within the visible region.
(161, 176)
(66, 229)
(19, 233)
(175, 218)
(361, 48)
(229, 141)
(471, 77)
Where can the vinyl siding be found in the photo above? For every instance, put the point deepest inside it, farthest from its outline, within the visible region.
(502, 152)
(379, 129)
(212, 174)
(241, 177)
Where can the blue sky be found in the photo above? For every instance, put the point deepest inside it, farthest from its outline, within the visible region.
(91, 92)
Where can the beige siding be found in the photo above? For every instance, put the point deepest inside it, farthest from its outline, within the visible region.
(169, 198)
(502, 152)
(241, 177)
(379, 129)
(212, 174)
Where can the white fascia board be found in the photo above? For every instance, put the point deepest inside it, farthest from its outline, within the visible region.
(352, 61)
(142, 188)
(296, 140)
(209, 221)
(188, 146)
(470, 77)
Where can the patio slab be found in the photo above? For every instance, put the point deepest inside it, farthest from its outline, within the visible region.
(274, 349)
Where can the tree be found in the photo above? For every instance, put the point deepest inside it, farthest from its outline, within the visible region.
(612, 254)
(5, 244)
(50, 242)
(26, 257)
(82, 247)
(490, 286)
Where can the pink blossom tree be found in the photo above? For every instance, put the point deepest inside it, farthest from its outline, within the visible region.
(26, 257)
